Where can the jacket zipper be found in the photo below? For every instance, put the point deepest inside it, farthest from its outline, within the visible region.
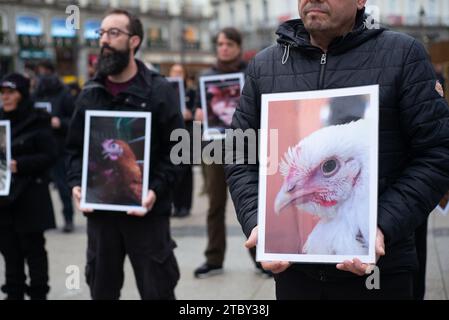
(323, 63)
(322, 70)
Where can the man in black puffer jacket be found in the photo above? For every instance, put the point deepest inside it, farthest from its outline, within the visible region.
(329, 48)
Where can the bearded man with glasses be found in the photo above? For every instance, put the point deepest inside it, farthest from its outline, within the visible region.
(126, 84)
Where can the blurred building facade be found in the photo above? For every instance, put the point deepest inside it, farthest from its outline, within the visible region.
(31, 30)
(181, 30)
(427, 20)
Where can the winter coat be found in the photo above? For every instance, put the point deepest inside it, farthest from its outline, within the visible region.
(28, 208)
(413, 131)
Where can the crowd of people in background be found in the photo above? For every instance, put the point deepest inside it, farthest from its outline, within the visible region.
(45, 118)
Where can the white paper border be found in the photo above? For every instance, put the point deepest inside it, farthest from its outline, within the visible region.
(7, 125)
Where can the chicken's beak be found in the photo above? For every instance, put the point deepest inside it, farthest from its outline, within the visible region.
(292, 192)
(284, 198)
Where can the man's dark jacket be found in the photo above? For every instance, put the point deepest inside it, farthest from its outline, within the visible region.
(413, 131)
(28, 207)
(148, 92)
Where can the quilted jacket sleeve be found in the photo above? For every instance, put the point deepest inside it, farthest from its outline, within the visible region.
(424, 121)
(242, 176)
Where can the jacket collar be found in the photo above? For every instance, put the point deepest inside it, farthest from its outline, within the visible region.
(293, 33)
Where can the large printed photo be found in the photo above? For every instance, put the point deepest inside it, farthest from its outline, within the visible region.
(220, 95)
(116, 160)
(320, 204)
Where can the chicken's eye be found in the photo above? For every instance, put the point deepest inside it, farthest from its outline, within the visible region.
(329, 167)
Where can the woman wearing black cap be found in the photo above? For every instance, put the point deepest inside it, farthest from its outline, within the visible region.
(27, 211)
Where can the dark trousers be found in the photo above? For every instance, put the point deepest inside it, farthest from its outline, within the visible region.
(293, 284)
(182, 192)
(419, 277)
(59, 177)
(147, 243)
(18, 248)
(216, 229)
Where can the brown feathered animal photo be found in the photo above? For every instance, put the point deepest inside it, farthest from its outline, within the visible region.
(115, 164)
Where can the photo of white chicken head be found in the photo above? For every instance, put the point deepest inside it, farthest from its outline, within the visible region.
(327, 175)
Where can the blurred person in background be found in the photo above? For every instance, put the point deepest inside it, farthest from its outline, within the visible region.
(30, 73)
(228, 44)
(51, 92)
(27, 211)
(182, 192)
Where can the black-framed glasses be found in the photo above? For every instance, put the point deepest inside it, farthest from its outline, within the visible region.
(112, 33)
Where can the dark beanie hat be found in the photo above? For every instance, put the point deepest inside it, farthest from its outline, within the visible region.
(17, 82)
